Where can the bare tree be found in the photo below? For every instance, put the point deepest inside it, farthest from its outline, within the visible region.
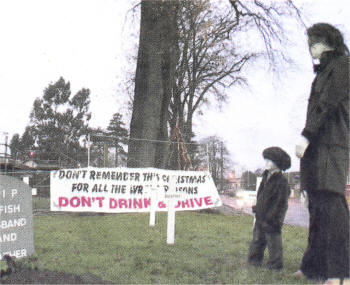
(212, 57)
(209, 61)
(190, 54)
(267, 18)
(219, 159)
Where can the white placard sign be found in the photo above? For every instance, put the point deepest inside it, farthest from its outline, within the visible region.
(121, 190)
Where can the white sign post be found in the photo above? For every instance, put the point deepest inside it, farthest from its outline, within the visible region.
(154, 201)
(171, 211)
(26, 180)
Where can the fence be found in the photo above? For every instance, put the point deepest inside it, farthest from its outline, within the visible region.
(111, 151)
(38, 179)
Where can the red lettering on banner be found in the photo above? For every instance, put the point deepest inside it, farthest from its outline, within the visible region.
(178, 204)
(112, 203)
(63, 202)
(123, 203)
(207, 200)
(185, 204)
(147, 202)
(199, 203)
(192, 204)
(76, 203)
(100, 199)
(134, 203)
(138, 203)
(85, 201)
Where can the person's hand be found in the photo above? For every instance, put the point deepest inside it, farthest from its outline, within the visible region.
(301, 147)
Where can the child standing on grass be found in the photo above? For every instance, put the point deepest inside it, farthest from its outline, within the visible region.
(270, 210)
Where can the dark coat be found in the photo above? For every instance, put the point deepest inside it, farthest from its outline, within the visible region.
(272, 202)
(324, 166)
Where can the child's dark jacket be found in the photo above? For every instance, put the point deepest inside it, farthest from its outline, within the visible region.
(272, 202)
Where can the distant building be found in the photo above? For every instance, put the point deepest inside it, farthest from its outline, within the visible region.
(37, 171)
(234, 182)
(293, 178)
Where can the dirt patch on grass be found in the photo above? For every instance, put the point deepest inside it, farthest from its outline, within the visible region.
(26, 271)
(30, 276)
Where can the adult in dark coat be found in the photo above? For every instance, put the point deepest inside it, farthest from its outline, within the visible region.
(270, 210)
(324, 153)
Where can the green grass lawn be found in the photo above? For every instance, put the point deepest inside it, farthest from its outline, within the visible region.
(124, 249)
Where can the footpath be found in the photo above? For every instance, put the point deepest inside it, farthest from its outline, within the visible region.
(297, 213)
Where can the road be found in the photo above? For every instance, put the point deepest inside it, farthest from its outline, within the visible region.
(297, 213)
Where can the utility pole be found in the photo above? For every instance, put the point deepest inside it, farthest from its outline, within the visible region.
(222, 167)
(105, 155)
(6, 140)
(208, 157)
(89, 149)
(116, 153)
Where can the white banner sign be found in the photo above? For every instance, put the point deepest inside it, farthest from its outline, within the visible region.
(120, 190)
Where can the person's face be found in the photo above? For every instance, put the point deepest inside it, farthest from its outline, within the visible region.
(317, 49)
(317, 45)
(270, 165)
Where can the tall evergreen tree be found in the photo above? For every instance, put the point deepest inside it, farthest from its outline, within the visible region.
(119, 135)
(15, 146)
(22, 147)
(98, 143)
(59, 120)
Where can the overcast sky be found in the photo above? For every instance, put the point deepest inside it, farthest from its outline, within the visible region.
(86, 42)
